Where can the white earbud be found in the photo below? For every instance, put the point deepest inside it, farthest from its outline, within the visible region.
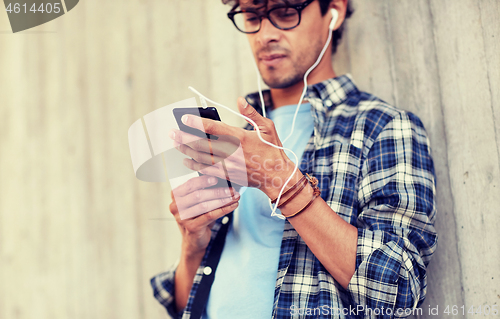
(335, 16)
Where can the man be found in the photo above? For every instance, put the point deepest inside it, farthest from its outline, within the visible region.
(359, 249)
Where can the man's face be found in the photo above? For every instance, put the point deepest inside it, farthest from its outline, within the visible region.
(283, 56)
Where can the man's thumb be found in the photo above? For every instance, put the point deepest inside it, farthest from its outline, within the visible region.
(248, 111)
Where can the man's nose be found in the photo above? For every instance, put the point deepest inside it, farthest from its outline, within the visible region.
(268, 32)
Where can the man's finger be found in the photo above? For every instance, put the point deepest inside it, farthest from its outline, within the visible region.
(247, 110)
(223, 147)
(214, 170)
(207, 125)
(194, 184)
(205, 207)
(195, 166)
(204, 195)
(191, 140)
(210, 217)
(200, 157)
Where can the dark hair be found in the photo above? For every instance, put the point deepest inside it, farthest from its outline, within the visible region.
(323, 5)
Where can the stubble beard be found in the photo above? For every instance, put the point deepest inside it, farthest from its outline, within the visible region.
(282, 83)
(304, 62)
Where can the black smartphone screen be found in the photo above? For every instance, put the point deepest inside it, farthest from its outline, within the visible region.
(209, 113)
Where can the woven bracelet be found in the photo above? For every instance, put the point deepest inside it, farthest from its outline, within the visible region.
(294, 194)
(290, 189)
(316, 193)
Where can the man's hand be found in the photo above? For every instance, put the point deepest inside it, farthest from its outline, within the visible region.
(193, 199)
(263, 166)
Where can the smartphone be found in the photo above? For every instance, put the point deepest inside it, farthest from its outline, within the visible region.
(209, 113)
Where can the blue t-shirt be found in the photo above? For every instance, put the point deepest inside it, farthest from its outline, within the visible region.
(245, 278)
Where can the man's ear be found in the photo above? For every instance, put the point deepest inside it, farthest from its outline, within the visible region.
(341, 7)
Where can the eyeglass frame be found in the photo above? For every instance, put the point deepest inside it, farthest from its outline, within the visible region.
(298, 7)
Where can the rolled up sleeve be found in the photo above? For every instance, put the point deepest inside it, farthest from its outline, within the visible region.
(396, 236)
(163, 286)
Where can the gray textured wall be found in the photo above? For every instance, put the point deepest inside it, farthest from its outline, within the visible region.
(80, 236)
(441, 60)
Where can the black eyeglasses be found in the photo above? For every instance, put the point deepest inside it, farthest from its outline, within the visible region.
(282, 17)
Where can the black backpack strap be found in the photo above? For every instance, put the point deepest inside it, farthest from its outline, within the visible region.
(201, 297)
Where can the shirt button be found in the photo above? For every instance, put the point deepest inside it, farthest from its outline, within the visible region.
(328, 103)
(207, 271)
(225, 220)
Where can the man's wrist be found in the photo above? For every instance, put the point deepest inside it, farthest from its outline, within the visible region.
(190, 254)
(276, 182)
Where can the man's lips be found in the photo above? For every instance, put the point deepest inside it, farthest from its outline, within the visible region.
(271, 59)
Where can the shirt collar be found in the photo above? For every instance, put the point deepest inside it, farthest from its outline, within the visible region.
(322, 96)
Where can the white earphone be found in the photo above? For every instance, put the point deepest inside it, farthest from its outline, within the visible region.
(203, 99)
(335, 16)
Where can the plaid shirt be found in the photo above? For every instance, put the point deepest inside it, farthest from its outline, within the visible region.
(375, 170)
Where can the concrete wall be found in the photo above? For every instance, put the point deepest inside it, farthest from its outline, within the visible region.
(441, 60)
(80, 236)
